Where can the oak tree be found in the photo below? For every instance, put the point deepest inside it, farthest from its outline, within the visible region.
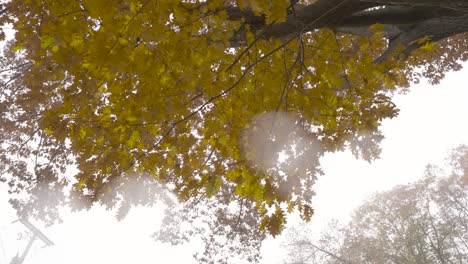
(220, 102)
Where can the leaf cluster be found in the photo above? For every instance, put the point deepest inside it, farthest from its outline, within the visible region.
(96, 93)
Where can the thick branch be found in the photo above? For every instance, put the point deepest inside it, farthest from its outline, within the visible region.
(436, 29)
(433, 3)
(396, 15)
(405, 21)
(322, 13)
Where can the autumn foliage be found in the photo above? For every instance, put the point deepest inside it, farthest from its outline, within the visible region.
(168, 91)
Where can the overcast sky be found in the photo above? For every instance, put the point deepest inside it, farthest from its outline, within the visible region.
(433, 119)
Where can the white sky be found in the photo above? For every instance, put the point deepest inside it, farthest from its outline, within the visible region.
(432, 120)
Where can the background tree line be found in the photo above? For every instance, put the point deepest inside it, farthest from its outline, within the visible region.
(421, 222)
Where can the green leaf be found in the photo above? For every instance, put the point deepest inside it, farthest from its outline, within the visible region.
(47, 42)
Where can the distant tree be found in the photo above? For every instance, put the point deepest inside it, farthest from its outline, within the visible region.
(423, 222)
(188, 95)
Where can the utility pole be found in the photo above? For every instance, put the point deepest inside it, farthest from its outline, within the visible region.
(37, 234)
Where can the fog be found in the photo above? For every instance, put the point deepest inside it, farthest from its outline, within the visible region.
(432, 120)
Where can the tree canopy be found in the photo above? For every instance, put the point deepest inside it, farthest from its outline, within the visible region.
(421, 222)
(220, 102)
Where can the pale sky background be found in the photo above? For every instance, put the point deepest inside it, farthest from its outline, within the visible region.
(432, 120)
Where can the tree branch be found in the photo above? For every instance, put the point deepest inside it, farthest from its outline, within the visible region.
(405, 21)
